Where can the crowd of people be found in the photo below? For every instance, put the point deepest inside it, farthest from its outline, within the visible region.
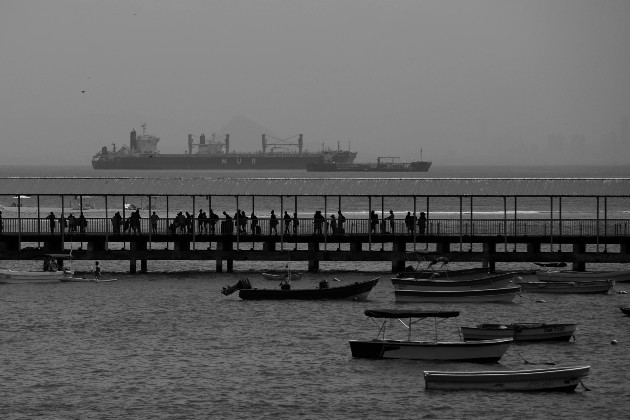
(213, 224)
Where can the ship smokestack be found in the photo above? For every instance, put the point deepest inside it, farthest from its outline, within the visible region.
(264, 144)
(300, 143)
(133, 145)
(190, 144)
(227, 144)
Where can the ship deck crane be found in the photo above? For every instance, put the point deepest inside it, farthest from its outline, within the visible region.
(282, 143)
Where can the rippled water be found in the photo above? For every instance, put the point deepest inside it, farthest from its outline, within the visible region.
(172, 346)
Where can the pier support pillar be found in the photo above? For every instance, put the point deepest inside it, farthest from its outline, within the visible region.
(489, 249)
(269, 246)
(53, 245)
(398, 262)
(443, 247)
(579, 265)
(356, 247)
(132, 266)
(181, 246)
(229, 263)
(97, 245)
(313, 262)
(143, 266)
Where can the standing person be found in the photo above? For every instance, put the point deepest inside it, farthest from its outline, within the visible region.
(422, 223)
(273, 223)
(287, 222)
(154, 222)
(373, 221)
(228, 225)
(243, 222)
(51, 220)
(97, 271)
(318, 220)
(189, 222)
(82, 223)
(116, 221)
(62, 223)
(391, 220)
(409, 222)
(213, 222)
(333, 224)
(1, 223)
(296, 223)
(255, 227)
(341, 219)
(201, 221)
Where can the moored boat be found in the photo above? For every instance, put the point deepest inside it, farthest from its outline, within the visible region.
(72, 279)
(483, 351)
(503, 294)
(49, 272)
(625, 310)
(354, 291)
(580, 276)
(595, 286)
(292, 275)
(522, 331)
(441, 274)
(548, 379)
(485, 282)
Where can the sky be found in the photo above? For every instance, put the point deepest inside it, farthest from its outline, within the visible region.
(473, 82)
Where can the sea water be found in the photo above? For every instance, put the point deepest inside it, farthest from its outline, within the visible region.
(168, 344)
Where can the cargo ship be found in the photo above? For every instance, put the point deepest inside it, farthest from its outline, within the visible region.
(383, 164)
(142, 153)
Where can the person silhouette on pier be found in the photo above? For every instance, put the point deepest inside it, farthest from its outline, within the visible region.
(287, 223)
(422, 223)
(273, 223)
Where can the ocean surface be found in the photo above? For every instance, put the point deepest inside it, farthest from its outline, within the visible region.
(167, 344)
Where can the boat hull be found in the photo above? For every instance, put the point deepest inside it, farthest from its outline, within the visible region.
(281, 277)
(593, 287)
(486, 351)
(579, 276)
(18, 277)
(520, 332)
(506, 294)
(488, 282)
(464, 274)
(420, 166)
(355, 291)
(564, 379)
(84, 280)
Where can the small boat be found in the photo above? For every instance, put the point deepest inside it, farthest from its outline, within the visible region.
(503, 294)
(625, 310)
(72, 279)
(548, 379)
(483, 351)
(463, 274)
(570, 275)
(292, 275)
(595, 286)
(49, 272)
(485, 282)
(522, 331)
(354, 291)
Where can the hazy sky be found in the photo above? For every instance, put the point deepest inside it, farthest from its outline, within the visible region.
(475, 81)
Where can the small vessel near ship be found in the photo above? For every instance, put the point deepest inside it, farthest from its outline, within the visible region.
(383, 164)
(142, 153)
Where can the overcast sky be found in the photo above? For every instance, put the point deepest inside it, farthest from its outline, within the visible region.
(475, 81)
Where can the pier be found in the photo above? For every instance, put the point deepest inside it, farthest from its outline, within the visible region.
(467, 235)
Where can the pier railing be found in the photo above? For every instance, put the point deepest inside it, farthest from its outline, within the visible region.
(306, 226)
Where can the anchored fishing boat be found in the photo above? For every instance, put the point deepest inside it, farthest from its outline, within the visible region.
(49, 271)
(522, 331)
(548, 379)
(354, 291)
(503, 294)
(550, 273)
(386, 348)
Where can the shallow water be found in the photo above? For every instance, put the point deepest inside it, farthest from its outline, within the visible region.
(170, 345)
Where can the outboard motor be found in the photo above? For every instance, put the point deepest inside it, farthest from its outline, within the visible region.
(242, 284)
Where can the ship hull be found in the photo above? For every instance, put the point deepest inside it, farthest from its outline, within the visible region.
(225, 162)
(368, 167)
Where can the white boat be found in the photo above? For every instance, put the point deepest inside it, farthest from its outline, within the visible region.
(292, 275)
(583, 276)
(503, 294)
(72, 279)
(595, 286)
(548, 379)
(522, 331)
(49, 271)
(486, 351)
(487, 281)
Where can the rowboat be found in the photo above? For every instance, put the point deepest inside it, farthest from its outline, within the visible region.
(463, 274)
(293, 275)
(383, 348)
(625, 310)
(578, 276)
(595, 286)
(354, 291)
(72, 279)
(522, 331)
(503, 294)
(496, 281)
(548, 379)
(48, 272)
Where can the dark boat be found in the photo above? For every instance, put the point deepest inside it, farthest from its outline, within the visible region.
(142, 153)
(354, 291)
(383, 164)
(625, 310)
